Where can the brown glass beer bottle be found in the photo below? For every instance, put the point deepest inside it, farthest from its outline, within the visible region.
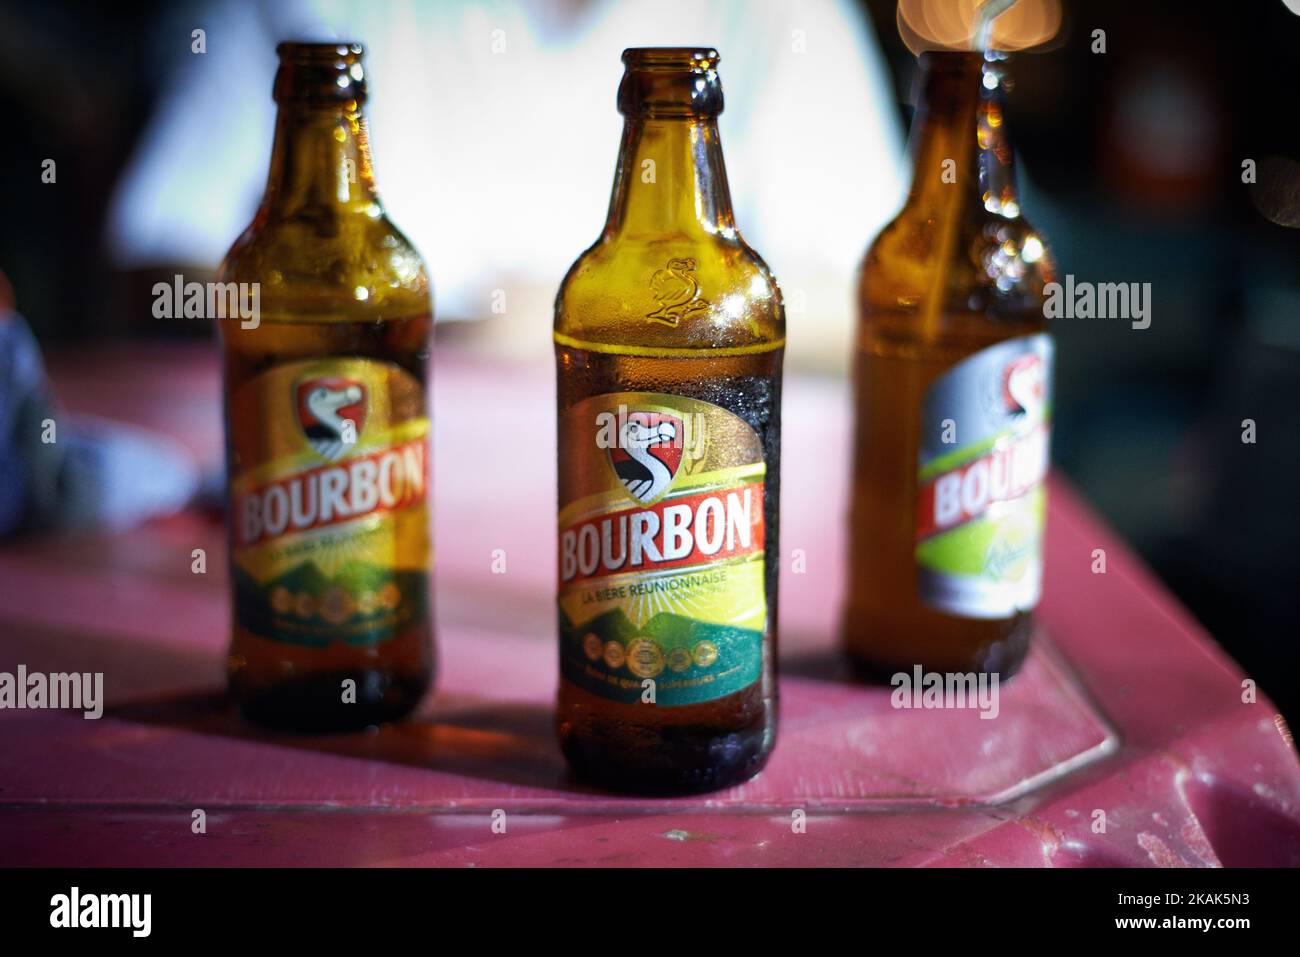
(952, 399)
(327, 432)
(669, 335)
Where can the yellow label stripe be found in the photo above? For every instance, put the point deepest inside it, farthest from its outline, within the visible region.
(649, 575)
(666, 353)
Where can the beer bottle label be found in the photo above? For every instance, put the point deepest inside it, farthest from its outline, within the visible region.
(661, 548)
(329, 478)
(980, 499)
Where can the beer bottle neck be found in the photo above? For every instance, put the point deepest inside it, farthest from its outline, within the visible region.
(671, 178)
(959, 146)
(321, 156)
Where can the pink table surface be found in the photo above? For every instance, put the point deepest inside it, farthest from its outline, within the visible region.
(1126, 707)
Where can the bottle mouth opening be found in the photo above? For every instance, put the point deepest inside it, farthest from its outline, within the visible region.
(326, 73)
(301, 50)
(671, 59)
(670, 82)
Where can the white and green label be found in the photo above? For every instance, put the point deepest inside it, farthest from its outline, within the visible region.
(980, 502)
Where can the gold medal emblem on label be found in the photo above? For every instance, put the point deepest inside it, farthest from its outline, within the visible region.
(614, 656)
(645, 659)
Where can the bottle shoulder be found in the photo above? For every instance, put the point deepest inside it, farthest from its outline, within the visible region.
(671, 292)
(989, 265)
(312, 261)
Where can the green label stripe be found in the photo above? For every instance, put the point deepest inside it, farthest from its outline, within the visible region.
(701, 661)
(256, 604)
(968, 453)
(960, 456)
(652, 574)
(968, 548)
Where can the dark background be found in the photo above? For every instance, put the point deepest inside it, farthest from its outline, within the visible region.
(1131, 164)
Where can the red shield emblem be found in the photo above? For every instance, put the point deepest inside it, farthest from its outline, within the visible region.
(1024, 386)
(332, 413)
(648, 453)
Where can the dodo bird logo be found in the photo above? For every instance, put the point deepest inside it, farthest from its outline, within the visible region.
(648, 454)
(332, 412)
(1024, 386)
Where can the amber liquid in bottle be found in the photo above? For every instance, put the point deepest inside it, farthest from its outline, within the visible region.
(337, 281)
(671, 300)
(956, 271)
